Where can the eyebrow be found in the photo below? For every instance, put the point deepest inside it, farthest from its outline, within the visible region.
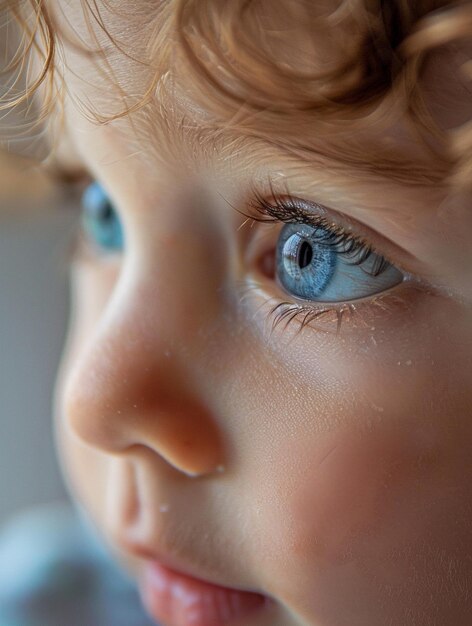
(207, 139)
(170, 127)
(393, 167)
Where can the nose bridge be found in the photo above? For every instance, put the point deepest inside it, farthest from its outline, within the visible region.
(133, 385)
(183, 266)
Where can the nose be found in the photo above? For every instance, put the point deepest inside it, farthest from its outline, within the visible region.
(136, 382)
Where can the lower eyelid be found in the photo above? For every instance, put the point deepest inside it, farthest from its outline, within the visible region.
(279, 312)
(83, 251)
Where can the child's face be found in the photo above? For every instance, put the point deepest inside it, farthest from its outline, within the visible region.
(327, 466)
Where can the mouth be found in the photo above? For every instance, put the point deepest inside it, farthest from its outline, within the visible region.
(176, 599)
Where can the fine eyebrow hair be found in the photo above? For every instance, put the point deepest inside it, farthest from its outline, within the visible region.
(167, 133)
(170, 131)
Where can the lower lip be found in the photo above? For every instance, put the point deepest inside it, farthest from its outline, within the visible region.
(178, 600)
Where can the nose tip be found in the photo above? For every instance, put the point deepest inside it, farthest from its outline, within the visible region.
(114, 404)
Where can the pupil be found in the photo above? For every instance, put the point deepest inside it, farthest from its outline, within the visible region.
(305, 255)
(107, 212)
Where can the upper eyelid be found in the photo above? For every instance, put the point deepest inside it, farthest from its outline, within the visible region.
(380, 244)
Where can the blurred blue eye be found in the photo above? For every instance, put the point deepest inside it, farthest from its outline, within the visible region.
(314, 264)
(100, 220)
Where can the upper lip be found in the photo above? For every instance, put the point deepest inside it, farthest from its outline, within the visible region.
(139, 535)
(143, 551)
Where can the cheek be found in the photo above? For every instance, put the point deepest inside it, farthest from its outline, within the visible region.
(352, 487)
(364, 525)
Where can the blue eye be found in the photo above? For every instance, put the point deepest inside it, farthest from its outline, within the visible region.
(313, 263)
(100, 220)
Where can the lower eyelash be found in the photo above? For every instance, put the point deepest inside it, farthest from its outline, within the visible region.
(286, 313)
(331, 318)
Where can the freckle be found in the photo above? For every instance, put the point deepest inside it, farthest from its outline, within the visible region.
(164, 508)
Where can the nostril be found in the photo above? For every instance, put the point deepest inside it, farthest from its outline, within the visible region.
(187, 438)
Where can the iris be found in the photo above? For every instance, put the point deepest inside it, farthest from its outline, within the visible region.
(100, 219)
(313, 264)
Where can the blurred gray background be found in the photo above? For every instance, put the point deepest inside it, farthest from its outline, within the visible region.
(35, 231)
(35, 236)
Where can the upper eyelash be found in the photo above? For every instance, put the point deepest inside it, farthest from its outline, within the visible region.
(344, 242)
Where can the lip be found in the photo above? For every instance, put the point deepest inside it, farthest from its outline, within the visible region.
(175, 599)
(175, 594)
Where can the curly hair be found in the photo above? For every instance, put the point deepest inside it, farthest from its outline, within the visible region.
(265, 57)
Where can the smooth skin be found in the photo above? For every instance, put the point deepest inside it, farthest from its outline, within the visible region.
(328, 467)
